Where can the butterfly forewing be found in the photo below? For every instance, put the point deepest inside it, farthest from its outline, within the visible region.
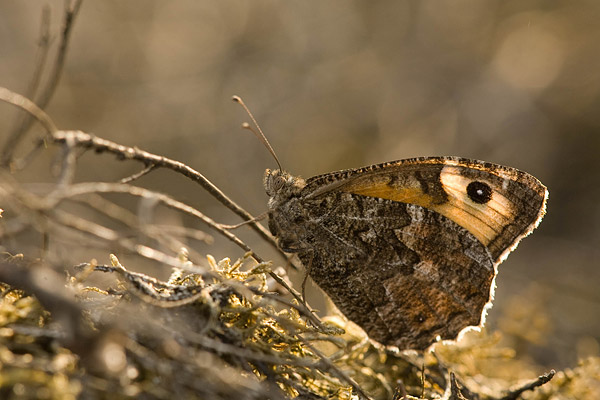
(514, 208)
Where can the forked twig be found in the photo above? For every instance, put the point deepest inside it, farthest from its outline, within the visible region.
(99, 187)
(88, 141)
(138, 175)
(71, 11)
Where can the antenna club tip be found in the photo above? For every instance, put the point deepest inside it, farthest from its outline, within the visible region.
(237, 99)
(245, 125)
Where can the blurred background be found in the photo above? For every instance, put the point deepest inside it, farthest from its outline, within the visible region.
(343, 84)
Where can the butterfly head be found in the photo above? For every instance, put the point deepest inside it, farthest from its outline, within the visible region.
(278, 182)
(286, 212)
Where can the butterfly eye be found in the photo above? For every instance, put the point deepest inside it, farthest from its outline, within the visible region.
(479, 192)
(278, 182)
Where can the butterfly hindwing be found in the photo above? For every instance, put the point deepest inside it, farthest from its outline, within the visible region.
(406, 274)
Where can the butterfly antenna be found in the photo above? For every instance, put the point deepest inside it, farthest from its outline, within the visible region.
(259, 134)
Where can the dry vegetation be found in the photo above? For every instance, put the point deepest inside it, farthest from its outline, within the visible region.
(76, 327)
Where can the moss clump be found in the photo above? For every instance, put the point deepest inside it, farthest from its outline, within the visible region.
(220, 333)
(32, 363)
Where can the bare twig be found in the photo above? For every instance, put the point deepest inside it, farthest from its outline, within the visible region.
(17, 164)
(541, 380)
(71, 10)
(68, 164)
(19, 127)
(161, 233)
(84, 140)
(139, 174)
(42, 54)
(97, 187)
(186, 232)
(29, 106)
(125, 152)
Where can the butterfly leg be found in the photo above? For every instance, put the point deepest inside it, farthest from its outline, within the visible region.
(306, 273)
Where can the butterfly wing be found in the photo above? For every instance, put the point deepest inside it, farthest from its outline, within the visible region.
(407, 250)
(499, 205)
(404, 273)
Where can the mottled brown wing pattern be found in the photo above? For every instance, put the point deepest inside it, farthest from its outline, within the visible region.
(406, 275)
(516, 204)
(407, 250)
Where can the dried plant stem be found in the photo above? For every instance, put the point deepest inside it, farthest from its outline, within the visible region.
(100, 187)
(541, 380)
(86, 140)
(71, 11)
(88, 188)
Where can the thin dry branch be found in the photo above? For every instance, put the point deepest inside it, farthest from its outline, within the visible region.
(71, 11)
(139, 174)
(20, 125)
(23, 102)
(98, 187)
(100, 145)
(165, 234)
(41, 56)
(85, 140)
(88, 141)
(541, 380)
(48, 207)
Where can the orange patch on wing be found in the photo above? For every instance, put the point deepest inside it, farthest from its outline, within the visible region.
(484, 221)
(411, 195)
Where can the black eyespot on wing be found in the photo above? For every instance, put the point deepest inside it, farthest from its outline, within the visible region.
(479, 192)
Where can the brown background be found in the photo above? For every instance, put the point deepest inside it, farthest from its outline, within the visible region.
(343, 84)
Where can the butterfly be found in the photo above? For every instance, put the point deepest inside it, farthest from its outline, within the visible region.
(408, 250)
